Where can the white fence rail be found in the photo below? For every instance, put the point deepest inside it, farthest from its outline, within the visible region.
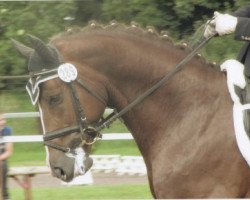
(39, 138)
(121, 165)
(35, 114)
(21, 115)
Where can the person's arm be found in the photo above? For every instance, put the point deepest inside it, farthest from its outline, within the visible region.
(238, 23)
(243, 12)
(8, 151)
(242, 30)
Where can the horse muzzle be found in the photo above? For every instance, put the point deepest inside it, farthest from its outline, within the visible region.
(63, 167)
(68, 166)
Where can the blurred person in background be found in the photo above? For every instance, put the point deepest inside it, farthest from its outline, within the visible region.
(6, 150)
(237, 23)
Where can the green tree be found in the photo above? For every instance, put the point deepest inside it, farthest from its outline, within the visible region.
(17, 19)
(144, 12)
(88, 10)
(181, 18)
(177, 16)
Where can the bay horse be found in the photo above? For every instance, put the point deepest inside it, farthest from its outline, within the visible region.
(184, 130)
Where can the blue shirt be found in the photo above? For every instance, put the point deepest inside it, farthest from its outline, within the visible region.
(6, 131)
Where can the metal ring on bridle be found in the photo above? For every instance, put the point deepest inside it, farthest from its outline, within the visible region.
(68, 150)
(90, 143)
(88, 131)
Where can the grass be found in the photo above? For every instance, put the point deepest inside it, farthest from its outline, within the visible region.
(28, 154)
(136, 191)
(125, 147)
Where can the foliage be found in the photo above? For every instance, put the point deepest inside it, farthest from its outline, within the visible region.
(145, 12)
(46, 18)
(25, 17)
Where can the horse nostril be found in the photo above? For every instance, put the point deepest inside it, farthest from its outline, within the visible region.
(59, 173)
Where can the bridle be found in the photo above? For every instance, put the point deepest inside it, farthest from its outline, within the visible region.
(87, 131)
(92, 132)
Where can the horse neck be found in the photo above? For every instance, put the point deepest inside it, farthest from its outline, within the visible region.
(131, 67)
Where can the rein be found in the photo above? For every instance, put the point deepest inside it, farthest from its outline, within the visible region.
(88, 131)
(148, 92)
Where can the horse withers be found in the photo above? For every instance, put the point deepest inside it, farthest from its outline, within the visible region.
(184, 130)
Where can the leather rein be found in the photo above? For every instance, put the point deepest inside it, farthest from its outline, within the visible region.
(89, 133)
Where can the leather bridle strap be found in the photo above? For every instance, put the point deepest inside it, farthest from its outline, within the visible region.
(58, 147)
(80, 115)
(89, 90)
(60, 133)
(82, 127)
(81, 119)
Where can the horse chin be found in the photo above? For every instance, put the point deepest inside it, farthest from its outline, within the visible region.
(84, 167)
(88, 162)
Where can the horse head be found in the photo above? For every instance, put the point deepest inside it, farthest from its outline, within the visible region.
(66, 109)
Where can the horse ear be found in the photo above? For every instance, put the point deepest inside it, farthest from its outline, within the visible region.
(41, 48)
(22, 49)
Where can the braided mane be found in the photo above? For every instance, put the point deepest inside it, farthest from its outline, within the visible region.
(133, 29)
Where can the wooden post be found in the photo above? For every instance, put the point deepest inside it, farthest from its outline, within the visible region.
(27, 189)
(1, 180)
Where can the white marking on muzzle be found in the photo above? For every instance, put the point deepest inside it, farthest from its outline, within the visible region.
(79, 157)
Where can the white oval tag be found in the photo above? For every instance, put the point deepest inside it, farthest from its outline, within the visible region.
(67, 72)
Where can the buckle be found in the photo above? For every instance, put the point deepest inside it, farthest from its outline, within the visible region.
(93, 133)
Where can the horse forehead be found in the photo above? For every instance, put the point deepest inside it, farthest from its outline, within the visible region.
(51, 88)
(51, 85)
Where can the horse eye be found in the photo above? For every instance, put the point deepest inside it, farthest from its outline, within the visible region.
(55, 99)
